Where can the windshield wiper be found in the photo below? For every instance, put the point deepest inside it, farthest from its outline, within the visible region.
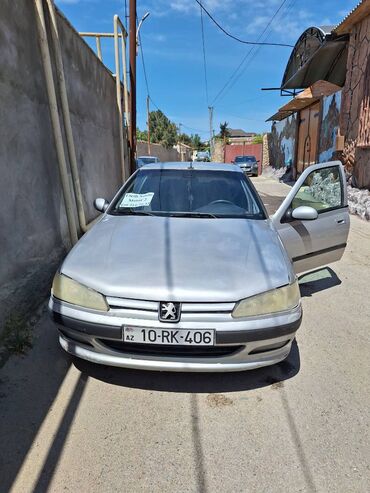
(192, 214)
(132, 213)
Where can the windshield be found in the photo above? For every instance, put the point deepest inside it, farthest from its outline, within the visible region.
(245, 159)
(190, 193)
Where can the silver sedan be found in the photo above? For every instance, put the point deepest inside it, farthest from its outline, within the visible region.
(185, 271)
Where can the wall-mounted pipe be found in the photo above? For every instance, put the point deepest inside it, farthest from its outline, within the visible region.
(67, 116)
(98, 48)
(54, 116)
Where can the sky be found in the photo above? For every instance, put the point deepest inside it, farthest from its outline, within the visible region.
(172, 46)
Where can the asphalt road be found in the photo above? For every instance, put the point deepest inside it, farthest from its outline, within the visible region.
(301, 426)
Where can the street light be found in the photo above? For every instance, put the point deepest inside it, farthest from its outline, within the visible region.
(138, 28)
(133, 37)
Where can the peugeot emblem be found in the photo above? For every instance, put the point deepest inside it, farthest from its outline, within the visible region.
(169, 311)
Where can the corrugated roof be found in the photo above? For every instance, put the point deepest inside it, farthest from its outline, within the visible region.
(359, 12)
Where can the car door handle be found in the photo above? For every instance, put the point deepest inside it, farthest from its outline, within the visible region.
(341, 221)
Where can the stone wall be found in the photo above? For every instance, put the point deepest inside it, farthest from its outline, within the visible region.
(34, 234)
(218, 155)
(282, 142)
(355, 109)
(265, 150)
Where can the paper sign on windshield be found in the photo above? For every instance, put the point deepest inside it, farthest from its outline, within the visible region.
(137, 199)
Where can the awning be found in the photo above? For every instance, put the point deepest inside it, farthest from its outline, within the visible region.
(280, 115)
(305, 98)
(317, 55)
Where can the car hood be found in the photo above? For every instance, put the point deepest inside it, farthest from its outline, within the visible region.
(179, 259)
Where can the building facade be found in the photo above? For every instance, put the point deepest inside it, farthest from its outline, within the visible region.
(355, 108)
(328, 75)
(240, 137)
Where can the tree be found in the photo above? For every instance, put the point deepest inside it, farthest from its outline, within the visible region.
(142, 135)
(185, 139)
(196, 142)
(257, 139)
(224, 131)
(162, 130)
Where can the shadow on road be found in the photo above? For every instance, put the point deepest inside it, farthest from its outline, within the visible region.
(318, 280)
(194, 382)
(29, 386)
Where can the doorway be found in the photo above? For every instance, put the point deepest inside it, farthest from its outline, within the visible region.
(308, 131)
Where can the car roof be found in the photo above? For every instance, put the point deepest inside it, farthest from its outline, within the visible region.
(151, 157)
(195, 166)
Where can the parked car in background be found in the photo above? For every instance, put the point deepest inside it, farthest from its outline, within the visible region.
(142, 160)
(184, 270)
(202, 156)
(248, 164)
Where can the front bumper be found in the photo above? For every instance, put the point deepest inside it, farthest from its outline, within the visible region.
(244, 344)
(250, 170)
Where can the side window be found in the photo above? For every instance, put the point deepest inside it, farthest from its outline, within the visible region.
(321, 190)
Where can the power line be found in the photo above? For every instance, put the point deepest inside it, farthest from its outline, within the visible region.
(195, 129)
(144, 68)
(204, 53)
(289, 7)
(126, 16)
(153, 103)
(249, 53)
(148, 92)
(235, 37)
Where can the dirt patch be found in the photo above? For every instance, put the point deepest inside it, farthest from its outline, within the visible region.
(219, 400)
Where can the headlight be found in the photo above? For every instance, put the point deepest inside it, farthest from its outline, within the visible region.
(66, 289)
(276, 300)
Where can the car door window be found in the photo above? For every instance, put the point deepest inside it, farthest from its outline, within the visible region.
(321, 190)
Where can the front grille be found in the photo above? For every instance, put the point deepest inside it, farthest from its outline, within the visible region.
(190, 311)
(168, 350)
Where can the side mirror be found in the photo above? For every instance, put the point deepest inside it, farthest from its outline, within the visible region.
(305, 213)
(101, 205)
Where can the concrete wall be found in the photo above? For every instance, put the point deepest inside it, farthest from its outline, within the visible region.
(34, 234)
(159, 151)
(355, 109)
(282, 142)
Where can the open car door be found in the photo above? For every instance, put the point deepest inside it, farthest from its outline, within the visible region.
(313, 220)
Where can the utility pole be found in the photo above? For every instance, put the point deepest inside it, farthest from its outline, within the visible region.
(179, 143)
(148, 122)
(210, 112)
(132, 40)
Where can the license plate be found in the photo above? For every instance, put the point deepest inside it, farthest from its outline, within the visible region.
(149, 335)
